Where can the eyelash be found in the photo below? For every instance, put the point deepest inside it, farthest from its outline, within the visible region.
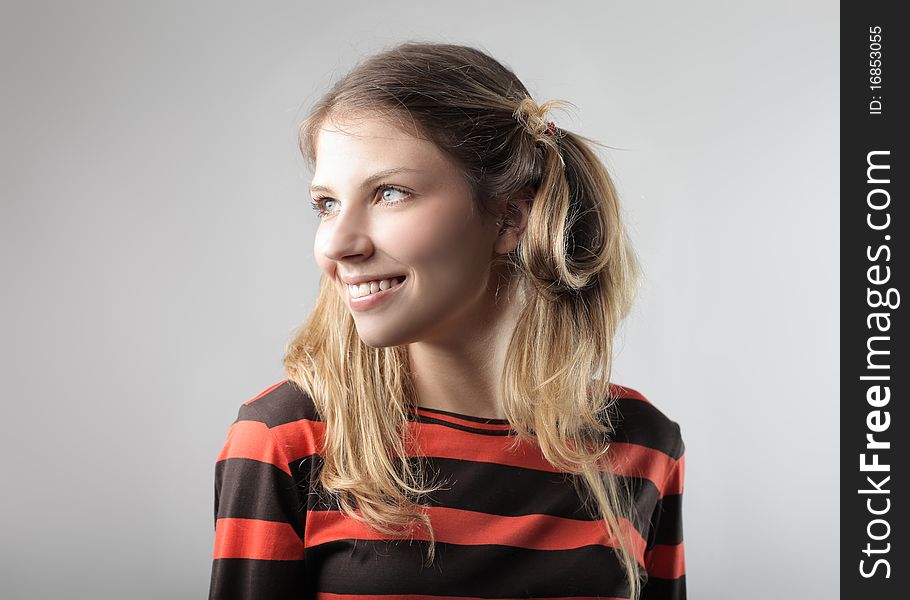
(319, 206)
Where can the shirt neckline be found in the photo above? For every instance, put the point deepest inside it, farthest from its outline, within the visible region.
(460, 420)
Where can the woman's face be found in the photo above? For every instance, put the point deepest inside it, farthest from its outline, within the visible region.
(397, 209)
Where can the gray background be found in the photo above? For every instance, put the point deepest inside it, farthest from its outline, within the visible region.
(157, 252)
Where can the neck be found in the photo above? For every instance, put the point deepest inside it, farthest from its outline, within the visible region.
(460, 369)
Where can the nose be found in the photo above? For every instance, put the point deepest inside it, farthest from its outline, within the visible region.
(346, 235)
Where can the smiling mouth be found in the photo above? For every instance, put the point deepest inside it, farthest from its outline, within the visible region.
(364, 290)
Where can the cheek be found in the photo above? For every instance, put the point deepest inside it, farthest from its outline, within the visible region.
(443, 249)
(324, 264)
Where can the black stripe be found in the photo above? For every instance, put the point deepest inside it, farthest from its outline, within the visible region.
(249, 579)
(521, 491)
(483, 571)
(466, 417)
(285, 404)
(250, 489)
(664, 589)
(430, 420)
(641, 423)
(518, 491)
(668, 528)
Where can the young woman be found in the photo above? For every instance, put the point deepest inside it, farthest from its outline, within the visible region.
(447, 426)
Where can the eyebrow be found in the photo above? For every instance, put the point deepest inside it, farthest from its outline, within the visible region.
(372, 179)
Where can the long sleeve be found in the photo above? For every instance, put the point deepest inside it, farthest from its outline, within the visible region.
(665, 554)
(260, 515)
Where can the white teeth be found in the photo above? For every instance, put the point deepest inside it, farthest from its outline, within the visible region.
(371, 287)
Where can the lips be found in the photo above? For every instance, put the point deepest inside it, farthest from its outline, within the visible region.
(374, 299)
(374, 286)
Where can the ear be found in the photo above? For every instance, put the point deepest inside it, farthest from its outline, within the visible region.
(513, 222)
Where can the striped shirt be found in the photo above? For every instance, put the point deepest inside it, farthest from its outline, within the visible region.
(507, 524)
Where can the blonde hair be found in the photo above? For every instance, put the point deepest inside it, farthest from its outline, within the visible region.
(574, 260)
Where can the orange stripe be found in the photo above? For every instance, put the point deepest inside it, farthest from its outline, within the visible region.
(330, 596)
(253, 440)
(667, 561)
(632, 460)
(444, 442)
(264, 392)
(621, 391)
(470, 528)
(674, 484)
(252, 538)
(441, 441)
(460, 421)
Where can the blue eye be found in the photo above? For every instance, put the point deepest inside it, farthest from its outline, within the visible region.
(324, 206)
(389, 188)
(319, 205)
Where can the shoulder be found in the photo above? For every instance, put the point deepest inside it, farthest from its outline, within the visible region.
(279, 404)
(279, 421)
(637, 420)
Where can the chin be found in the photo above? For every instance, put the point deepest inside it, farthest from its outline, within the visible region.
(380, 337)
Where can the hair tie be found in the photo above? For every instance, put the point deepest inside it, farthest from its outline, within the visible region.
(555, 133)
(532, 116)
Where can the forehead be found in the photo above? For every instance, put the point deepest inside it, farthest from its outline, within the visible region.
(355, 140)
